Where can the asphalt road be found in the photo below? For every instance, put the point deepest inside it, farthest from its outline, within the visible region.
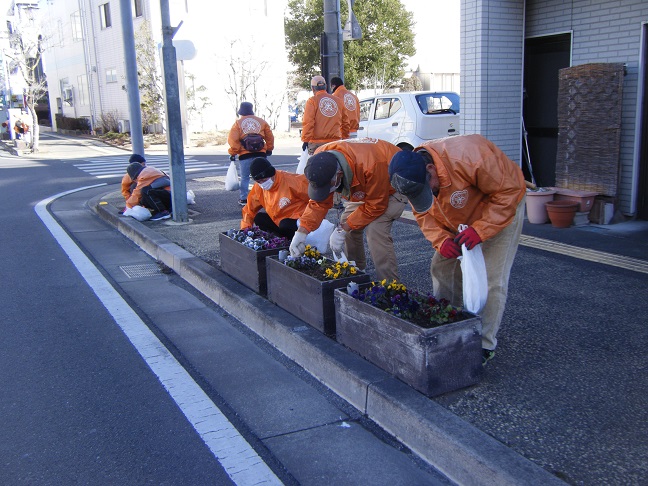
(78, 404)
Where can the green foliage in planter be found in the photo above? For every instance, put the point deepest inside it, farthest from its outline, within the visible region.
(69, 123)
(393, 297)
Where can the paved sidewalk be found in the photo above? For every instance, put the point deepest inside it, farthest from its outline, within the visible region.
(564, 399)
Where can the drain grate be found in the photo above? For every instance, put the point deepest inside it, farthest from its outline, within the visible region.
(143, 270)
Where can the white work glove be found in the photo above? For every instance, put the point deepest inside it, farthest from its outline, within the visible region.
(337, 240)
(298, 244)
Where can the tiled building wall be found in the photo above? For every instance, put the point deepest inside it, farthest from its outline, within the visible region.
(491, 71)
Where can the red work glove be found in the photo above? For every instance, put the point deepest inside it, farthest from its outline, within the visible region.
(468, 237)
(450, 249)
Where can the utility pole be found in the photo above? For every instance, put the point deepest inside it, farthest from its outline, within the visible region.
(334, 55)
(332, 42)
(132, 84)
(174, 118)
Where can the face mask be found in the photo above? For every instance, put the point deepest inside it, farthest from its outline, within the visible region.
(266, 185)
(335, 186)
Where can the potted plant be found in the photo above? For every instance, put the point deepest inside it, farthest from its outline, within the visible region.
(243, 253)
(304, 286)
(424, 341)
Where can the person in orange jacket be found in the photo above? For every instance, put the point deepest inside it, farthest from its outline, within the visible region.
(358, 170)
(249, 137)
(152, 190)
(127, 184)
(276, 201)
(324, 118)
(466, 179)
(350, 103)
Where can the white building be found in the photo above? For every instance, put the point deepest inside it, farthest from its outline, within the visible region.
(235, 59)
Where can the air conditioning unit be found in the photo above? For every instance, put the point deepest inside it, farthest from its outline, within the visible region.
(123, 126)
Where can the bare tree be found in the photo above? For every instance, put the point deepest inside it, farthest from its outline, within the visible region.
(244, 78)
(25, 51)
(197, 101)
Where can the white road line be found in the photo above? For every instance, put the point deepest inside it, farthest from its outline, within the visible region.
(243, 465)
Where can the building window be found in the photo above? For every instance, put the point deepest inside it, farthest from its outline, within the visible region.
(75, 21)
(111, 75)
(82, 89)
(61, 35)
(104, 14)
(137, 8)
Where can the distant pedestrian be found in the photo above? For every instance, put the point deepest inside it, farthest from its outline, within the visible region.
(152, 190)
(276, 201)
(324, 118)
(350, 103)
(249, 137)
(466, 179)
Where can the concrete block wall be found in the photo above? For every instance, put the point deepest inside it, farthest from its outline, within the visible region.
(492, 40)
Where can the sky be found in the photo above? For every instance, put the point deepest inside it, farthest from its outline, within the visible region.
(437, 34)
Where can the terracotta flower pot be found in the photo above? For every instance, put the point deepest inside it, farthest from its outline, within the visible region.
(535, 205)
(561, 213)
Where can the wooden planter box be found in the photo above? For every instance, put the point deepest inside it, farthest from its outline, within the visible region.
(433, 361)
(304, 296)
(245, 264)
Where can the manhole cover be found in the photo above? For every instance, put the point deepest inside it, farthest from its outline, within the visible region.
(143, 270)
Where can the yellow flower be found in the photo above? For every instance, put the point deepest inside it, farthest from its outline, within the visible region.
(346, 264)
(353, 270)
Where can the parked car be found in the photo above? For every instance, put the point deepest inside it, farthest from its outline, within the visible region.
(409, 119)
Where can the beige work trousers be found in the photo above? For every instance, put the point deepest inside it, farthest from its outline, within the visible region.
(499, 253)
(379, 238)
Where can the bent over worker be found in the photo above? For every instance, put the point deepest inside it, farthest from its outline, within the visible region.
(358, 170)
(468, 180)
(276, 201)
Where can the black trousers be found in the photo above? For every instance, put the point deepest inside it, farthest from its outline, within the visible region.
(286, 228)
(156, 199)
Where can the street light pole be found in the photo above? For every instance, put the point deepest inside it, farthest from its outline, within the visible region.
(132, 84)
(174, 118)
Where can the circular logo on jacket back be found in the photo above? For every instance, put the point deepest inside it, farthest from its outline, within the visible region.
(328, 107)
(459, 199)
(349, 101)
(283, 202)
(250, 125)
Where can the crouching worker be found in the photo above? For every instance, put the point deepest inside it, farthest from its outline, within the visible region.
(152, 190)
(127, 184)
(276, 201)
(468, 180)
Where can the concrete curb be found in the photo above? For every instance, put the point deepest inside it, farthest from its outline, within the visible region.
(458, 449)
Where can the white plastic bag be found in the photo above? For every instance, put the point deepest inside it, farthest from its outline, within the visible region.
(191, 197)
(140, 213)
(303, 158)
(231, 179)
(475, 281)
(320, 237)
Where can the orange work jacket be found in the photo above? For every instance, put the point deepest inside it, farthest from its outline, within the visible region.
(350, 104)
(324, 119)
(245, 125)
(479, 186)
(368, 159)
(287, 198)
